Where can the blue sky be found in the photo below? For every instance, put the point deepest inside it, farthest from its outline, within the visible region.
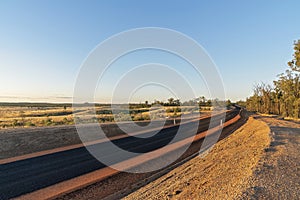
(43, 43)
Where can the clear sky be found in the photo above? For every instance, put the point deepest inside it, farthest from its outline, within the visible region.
(43, 43)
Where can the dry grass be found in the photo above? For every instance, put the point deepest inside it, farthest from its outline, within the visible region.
(28, 116)
(222, 174)
(12, 117)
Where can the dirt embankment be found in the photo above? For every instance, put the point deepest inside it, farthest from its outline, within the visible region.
(224, 173)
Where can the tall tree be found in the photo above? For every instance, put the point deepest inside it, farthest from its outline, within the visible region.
(294, 64)
(171, 101)
(284, 97)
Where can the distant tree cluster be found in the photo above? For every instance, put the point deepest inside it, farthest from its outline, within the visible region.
(200, 101)
(283, 97)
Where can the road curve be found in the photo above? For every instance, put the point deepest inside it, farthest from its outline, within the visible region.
(24, 176)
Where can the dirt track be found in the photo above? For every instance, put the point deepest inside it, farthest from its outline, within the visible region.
(278, 176)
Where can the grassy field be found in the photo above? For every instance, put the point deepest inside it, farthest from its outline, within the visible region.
(31, 115)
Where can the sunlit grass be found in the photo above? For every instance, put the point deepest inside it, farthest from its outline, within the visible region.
(18, 116)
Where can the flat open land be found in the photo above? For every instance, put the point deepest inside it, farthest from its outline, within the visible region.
(39, 116)
(23, 116)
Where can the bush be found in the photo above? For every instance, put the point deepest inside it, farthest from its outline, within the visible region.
(29, 124)
(48, 122)
(17, 123)
(169, 110)
(65, 121)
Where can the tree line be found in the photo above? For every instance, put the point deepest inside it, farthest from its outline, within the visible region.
(283, 96)
(200, 101)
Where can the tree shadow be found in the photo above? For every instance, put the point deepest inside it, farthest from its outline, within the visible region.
(255, 116)
(277, 143)
(270, 149)
(282, 130)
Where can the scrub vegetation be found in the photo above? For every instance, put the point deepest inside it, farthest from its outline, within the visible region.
(14, 115)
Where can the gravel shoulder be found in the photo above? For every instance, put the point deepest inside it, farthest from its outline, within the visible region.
(22, 141)
(278, 175)
(224, 173)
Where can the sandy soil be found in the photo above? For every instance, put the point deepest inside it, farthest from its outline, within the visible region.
(224, 173)
(278, 176)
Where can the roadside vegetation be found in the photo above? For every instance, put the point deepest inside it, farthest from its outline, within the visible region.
(14, 115)
(283, 97)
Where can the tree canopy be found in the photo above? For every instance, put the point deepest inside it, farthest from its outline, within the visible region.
(283, 97)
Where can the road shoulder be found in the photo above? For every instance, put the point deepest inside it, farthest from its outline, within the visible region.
(277, 176)
(221, 174)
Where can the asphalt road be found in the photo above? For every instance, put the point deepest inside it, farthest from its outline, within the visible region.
(28, 175)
